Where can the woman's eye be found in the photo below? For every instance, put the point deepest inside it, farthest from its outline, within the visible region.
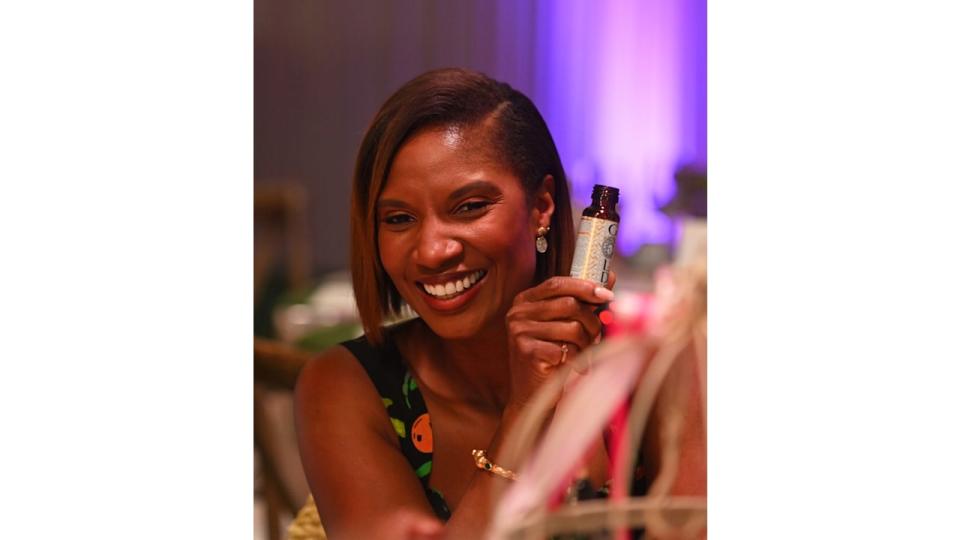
(397, 219)
(472, 206)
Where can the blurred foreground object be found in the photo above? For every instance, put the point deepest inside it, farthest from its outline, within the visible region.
(661, 373)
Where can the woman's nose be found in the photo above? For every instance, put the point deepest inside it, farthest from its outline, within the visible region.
(437, 249)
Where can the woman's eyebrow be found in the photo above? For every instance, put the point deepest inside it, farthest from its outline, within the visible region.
(477, 185)
(391, 203)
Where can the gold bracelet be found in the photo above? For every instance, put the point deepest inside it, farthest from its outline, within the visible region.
(480, 458)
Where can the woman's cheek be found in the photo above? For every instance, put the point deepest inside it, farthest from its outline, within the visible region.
(391, 258)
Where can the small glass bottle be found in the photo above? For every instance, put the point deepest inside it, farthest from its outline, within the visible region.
(597, 236)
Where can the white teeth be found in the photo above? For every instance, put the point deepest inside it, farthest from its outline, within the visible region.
(453, 287)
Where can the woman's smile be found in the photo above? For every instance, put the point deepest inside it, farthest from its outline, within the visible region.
(449, 292)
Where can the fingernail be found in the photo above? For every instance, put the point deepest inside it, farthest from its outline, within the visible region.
(603, 293)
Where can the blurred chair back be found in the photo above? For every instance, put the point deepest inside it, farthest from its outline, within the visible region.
(281, 235)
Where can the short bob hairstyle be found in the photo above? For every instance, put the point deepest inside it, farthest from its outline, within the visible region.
(513, 130)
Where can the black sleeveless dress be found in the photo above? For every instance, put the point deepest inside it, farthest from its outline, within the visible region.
(405, 407)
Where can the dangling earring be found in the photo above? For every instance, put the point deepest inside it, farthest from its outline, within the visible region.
(542, 239)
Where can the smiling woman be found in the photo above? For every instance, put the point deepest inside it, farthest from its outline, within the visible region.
(446, 214)
(457, 184)
(487, 123)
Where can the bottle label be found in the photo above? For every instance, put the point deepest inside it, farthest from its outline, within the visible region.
(595, 241)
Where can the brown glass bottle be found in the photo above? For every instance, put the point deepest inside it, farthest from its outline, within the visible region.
(597, 235)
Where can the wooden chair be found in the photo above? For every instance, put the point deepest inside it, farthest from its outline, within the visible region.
(281, 242)
(281, 235)
(275, 367)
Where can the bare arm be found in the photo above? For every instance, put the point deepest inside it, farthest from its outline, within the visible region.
(362, 484)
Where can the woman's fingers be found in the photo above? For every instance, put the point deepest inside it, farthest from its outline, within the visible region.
(581, 289)
(549, 353)
(411, 525)
(564, 308)
(566, 331)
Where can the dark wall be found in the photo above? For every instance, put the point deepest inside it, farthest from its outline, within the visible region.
(323, 67)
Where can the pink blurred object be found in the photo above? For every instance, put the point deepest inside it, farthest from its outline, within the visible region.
(630, 313)
(580, 418)
(643, 313)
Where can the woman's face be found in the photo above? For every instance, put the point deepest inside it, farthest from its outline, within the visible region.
(455, 231)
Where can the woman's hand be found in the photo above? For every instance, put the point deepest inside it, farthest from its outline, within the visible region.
(408, 525)
(556, 313)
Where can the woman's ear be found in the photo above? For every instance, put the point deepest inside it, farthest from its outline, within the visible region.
(543, 205)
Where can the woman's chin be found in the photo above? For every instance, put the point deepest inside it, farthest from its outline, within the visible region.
(451, 332)
(452, 328)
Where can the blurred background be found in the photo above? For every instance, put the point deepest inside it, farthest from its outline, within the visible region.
(621, 84)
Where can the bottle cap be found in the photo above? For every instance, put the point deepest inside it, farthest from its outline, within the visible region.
(612, 194)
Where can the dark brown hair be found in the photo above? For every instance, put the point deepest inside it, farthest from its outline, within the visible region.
(519, 139)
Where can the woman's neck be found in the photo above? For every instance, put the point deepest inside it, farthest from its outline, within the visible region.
(474, 370)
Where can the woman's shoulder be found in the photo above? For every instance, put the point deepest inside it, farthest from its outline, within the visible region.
(327, 373)
(360, 361)
(330, 355)
(334, 387)
(336, 365)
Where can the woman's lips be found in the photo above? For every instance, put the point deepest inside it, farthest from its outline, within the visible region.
(455, 303)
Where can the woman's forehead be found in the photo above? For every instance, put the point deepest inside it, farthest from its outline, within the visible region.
(453, 141)
(444, 156)
(452, 135)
